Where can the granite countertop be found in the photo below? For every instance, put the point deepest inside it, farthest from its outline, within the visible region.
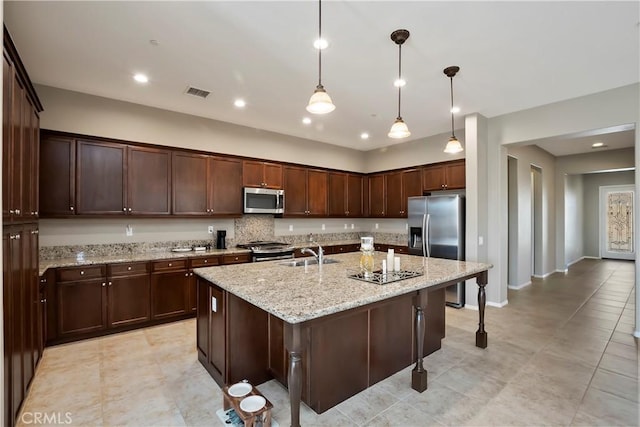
(296, 295)
(142, 256)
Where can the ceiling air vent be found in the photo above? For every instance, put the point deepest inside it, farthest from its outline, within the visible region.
(197, 92)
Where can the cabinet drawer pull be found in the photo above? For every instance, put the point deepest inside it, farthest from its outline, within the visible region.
(11, 211)
(206, 261)
(129, 268)
(81, 272)
(170, 264)
(17, 211)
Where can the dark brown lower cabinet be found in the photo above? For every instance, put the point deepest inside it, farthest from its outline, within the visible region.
(128, 299)
(82, 306)
(169, 289)
(343, 353)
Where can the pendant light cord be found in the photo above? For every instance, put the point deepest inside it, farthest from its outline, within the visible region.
(319, 43)
(452, 132)
(399, 77)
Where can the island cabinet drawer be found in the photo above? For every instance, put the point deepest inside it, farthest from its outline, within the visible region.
(73, 274)
(205, 261)
(236, 259)
(167, 265)
(128, 268)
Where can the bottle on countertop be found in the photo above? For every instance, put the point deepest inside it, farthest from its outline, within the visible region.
(390, 257)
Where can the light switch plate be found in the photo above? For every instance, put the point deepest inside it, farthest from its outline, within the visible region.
(210, 229)
(214, 304)
(128, 230)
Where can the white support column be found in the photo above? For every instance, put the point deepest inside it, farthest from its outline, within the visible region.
(486, 197)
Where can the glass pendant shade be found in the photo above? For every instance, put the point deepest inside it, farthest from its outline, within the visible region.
(453, 146)
(399, 129)
(320, 102)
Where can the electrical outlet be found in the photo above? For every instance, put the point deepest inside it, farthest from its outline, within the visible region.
(377, 226)
(352, 226)
(128, 230)
(290, 227)
(346, 226)
(323, 227)
(480, 240)
(210, 229)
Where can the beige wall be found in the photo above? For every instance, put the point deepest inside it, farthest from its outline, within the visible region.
(92, 115)
(526, 157)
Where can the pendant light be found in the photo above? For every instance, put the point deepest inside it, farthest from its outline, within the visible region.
(399, 128)
(320, 102)
(453, 146)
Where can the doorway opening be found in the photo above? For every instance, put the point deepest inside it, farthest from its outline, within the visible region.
(536, 222)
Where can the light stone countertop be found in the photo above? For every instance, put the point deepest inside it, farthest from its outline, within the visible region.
(142, 256)
(295, 296)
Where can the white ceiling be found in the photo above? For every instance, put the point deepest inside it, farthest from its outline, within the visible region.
(513, 56)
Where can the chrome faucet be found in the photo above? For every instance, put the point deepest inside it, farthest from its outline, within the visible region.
(318, 256)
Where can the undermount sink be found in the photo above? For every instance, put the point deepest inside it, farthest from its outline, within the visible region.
(310, 261)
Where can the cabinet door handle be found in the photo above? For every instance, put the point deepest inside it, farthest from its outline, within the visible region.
(190, 274)
(17, 211)
(17, 237)
(110, 283)
(11, 211)
(129, 268)
(170, 264)
(71, 208)
(129, 209)
(186, 274)
(43, 301)
(82, 273)
(124, 209)
(104, 284)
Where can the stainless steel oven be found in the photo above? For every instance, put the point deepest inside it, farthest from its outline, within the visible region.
(268, 251)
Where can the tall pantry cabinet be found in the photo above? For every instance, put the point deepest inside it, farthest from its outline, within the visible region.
(22, 296)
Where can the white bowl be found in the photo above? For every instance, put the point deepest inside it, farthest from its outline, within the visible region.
(252, 403)
(240, 389)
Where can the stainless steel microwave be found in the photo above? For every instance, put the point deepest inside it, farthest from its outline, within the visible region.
(263, 200)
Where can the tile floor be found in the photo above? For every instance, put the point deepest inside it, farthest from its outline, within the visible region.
(560, 353)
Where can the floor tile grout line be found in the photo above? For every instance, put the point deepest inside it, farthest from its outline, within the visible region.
(602, 355)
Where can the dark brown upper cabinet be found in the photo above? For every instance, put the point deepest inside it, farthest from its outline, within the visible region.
(149, 181)
(206, 185)
(225, 191)
(399, 186)
(305, 191)
(261, 174)
(377, 195)
(190, 184)
(444, 176)
(345, 194)
(57, 175)
(100, 178)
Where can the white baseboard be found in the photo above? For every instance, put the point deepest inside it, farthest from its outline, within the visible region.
(565, 271)
(520, 286)
(491, 304)
(636, 334)
(575, 261)
(591, 257)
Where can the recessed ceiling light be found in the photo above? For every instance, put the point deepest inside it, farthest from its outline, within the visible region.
(455, 109)
(399, 83)
(320, 44)
(306, 120)
(141, 78)
(240, 103)
(364, 135)
(598, 145)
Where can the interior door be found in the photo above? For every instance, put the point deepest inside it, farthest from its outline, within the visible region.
(617, 232)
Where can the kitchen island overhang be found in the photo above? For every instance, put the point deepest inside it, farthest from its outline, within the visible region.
(311, 326)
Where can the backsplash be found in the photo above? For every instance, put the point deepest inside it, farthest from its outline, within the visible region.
(240, 230)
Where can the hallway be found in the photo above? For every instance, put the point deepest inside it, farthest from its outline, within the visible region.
(560, 353)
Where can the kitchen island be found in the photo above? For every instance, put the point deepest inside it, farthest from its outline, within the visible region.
(323, 334)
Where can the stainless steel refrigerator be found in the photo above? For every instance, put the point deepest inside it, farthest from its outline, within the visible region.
(436, 229)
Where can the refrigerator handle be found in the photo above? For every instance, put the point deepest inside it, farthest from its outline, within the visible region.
(425, 234)
(426, 241)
